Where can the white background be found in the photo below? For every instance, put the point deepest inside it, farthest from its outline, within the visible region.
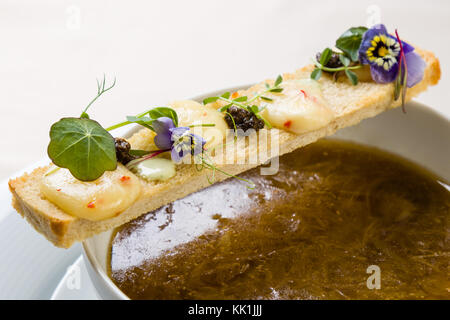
(52, 51)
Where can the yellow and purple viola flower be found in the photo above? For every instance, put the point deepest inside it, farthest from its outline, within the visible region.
(383, 52)
(180, 141)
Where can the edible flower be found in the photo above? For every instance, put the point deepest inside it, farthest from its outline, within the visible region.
(179, 140)
(383, 52)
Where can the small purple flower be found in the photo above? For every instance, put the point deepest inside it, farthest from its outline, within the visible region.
(179, 140)
(382, 52)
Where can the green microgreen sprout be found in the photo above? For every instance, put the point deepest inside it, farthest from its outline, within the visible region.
(82, 145)
(248, 104)
(206, 162)
(100, 90)
(346, 62)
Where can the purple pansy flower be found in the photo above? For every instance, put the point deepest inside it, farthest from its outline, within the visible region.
(179, 140)
(382, 52)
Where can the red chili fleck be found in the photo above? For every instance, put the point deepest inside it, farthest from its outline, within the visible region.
(234, 95)
(287, 124)
(125, 178)
(91, 205)
(304, 93)
(58, 189)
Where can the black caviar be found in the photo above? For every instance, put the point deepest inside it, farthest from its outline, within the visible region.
(334, 61)
(243, 119)
(123, 151)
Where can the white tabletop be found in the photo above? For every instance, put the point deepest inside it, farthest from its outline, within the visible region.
(52, 52)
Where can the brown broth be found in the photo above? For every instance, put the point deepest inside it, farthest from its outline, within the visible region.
(308, 232)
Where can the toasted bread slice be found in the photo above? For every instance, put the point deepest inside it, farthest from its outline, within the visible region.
(351, 104)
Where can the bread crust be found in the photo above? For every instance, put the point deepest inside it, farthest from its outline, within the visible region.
(351, 104)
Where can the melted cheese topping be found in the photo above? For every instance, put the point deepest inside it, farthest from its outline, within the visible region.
(299, 108)
(155, 169)
(103, 198)
(193, 113)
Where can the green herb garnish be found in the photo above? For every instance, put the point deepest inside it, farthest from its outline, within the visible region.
(82, 145)
(350, 41)
(346, 66)
(248, 104)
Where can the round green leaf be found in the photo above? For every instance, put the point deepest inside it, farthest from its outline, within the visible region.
(316, 74)
(83, 146)
(351, 76)
(325, 56)
(350, 41)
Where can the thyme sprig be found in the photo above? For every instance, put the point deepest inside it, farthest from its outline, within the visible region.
(245, 103)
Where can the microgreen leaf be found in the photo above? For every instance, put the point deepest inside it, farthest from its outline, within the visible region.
(325, 56)
(278, 81)
(398, 84)
(350, 41)
(267, 123)
(143, 121)
(254, 109)
(240, 99)
(84, 115)
(266, 98)
(83, 146)
(226, 95)
(139, 153)
(352, 76)
(316, 74)
(210, 99)
(345, 61)
(159, 112)
(225, 108)
(275, 90)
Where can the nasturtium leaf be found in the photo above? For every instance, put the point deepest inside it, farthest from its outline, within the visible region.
(83, 146)
(210, 99)
(325, 56)
(316, 74)
(350, 41)
(164, 112)
(352, 76)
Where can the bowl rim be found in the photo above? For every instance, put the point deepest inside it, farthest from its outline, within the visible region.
(92, 260)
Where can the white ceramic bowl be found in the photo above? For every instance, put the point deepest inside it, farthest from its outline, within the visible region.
(422, 135)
